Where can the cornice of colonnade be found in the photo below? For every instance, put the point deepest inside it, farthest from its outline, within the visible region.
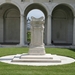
(48, 6)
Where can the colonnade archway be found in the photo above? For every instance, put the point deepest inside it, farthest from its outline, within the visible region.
(9, 24)
(62, 25)
(58, 27)
(39, 7)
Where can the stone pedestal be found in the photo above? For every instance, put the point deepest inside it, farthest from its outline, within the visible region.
(37, 30)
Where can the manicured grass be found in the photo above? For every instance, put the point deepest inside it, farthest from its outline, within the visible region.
(8, 69)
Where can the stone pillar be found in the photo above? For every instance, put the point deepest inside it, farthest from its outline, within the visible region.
(37, 30)
(25, 30)
(49, 30)
(74, 32)
(22, 30)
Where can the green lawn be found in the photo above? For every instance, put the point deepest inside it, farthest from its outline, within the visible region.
(8, 69)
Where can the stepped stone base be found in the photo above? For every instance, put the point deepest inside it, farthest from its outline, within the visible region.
(37, 58)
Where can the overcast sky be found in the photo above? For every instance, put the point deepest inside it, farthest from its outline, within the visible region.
(36, 13)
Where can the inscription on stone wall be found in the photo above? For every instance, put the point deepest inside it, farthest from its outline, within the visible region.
(47, 1)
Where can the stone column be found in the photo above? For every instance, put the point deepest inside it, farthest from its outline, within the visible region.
(22, 30)
(74, 32)
(49, 30)
(25, 30)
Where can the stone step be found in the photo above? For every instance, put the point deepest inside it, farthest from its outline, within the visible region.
(36, 57)
(36, 60)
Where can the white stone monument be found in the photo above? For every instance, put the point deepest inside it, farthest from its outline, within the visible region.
(37, 49)
(37, 30)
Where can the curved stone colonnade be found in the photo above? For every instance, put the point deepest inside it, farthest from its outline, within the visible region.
(59, 20)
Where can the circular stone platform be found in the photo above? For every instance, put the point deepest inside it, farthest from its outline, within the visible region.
(64, 60)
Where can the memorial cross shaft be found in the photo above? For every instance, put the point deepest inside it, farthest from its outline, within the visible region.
(37, 29)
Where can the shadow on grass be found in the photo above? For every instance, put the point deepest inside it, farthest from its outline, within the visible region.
(71, 49)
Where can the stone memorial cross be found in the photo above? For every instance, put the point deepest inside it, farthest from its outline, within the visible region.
(37, 30)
